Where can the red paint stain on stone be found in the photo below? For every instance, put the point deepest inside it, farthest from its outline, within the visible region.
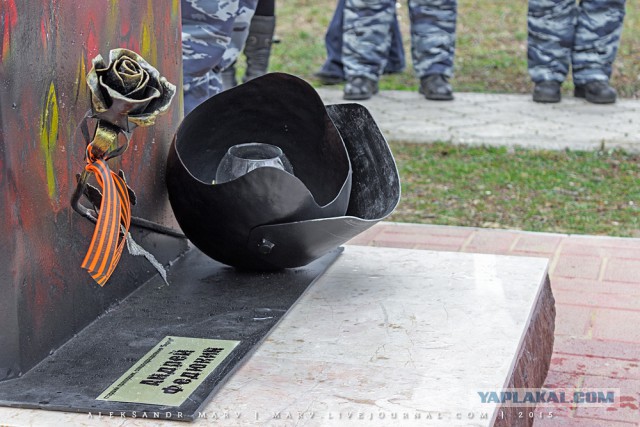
(9, 15)
(92, 44)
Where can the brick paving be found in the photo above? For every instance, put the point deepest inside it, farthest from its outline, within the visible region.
(596, 283)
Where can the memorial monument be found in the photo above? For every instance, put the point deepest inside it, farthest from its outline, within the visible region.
(125, 338)
(47, 52)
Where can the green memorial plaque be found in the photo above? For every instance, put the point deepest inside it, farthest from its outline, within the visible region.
(170, 371)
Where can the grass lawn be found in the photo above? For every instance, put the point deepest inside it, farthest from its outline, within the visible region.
(553, 191)
(565, 192)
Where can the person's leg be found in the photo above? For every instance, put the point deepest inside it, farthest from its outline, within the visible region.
(365, 46)
(206, 30)
(331, 71)
(433, 36)
(595, 47)
(228, 75)
(396, 61)
(239, 36)
(551, 28)
(258, 47)
(433, 41)
(238, 40)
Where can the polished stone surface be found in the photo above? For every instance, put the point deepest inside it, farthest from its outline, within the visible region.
(383, 334)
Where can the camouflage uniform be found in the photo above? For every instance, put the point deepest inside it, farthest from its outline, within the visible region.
(207, 28)
(238, 38)
(333, 44)
(367, 36)
(586, 36)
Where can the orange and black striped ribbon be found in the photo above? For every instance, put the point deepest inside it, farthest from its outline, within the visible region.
(112, 227)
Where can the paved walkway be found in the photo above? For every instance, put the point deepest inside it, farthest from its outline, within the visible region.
(497, 119)
(595, 280)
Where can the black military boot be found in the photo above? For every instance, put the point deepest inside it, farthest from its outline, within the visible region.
(597, 92)
(328, 78)
(258, 46)
(547, 91)
(436, 87)
(360, 88)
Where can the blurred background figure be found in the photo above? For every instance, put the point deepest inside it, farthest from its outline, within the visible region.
(584, 36)
(332, 71)
(367, 40)
(207, 27)
(256, 36)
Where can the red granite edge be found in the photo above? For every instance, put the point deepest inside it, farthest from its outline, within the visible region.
(534, 357)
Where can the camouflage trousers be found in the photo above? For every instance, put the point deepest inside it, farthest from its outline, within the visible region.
(367, 36)
(584, 36)
(333, 44)
(207, 30)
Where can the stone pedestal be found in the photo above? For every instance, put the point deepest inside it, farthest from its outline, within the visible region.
(403, 333)
(46, 48)
(389, 337)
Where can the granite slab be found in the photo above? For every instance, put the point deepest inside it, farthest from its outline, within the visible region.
(385, 336)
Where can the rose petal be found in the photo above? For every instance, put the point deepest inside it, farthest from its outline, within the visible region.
(133, 102)
(99, 99)
(150, 94)
(143, 83)
(126, 65)
(115, 54)
(117, 114)
(130, 74)
(113, 80)
(158, 106)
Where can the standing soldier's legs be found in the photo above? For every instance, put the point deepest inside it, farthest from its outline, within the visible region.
(207, 26)
(366, 36)
(597, 39)
(433, 36)
(551, 26)
(257, 49)
(332, 71)
(206, 30)
(395, 60)
(366, 42)
(595, 48)
(238, 39)
(433, 42)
